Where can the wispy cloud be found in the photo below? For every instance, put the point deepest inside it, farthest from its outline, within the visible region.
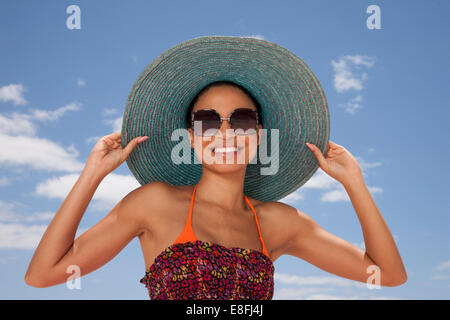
(255, 36)
(320, 180)
(109, 111)
(116, 124)
(352, 105)
(15, 233)
(340, 194)
(25, 123)
(291, 279)
(13, 93)
(53, 115)
(110, 191)
(335, 192)
(347, 75)
(20, 236)
(81, 82)
(4, 181)
(443, 266)
(322, 288)
(293, 197)
(19, 230)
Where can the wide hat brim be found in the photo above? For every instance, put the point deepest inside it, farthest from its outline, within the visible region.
(291, 98)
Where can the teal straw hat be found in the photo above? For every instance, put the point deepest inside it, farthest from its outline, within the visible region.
(291, 99)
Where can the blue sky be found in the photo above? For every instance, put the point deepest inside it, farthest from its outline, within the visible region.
(387, 90)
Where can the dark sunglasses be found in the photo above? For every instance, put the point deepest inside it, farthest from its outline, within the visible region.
(241, 121)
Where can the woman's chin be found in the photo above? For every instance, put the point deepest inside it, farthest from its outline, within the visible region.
(224, 167)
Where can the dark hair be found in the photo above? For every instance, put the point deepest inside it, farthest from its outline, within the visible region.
(216, 84)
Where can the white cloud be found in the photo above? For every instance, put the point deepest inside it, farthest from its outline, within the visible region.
(256, 36)
(320, 180)
(364, 165)
(323, 288)
(293, 197)
(335, 196)
(22, 123)
(20, 236)
(9, 212)
(116, 124)
(92, 140)
(13, 93)
(81, 82)
(340, 194)
(110, 191)
(14, 232)
(375, 190)
(346, 76)
(52, 115)
(290, 279)
(37, 153)
(296, 293)
(109, 111)
(353, 105)
(4, 181)
(23, 236)
(443, 266)
(17, 124)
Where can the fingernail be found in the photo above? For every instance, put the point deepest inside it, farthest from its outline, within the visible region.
(142, 139)
(309, 146)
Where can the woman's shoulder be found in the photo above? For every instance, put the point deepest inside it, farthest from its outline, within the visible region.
(272, 208)
(157, 202)
(279, 221)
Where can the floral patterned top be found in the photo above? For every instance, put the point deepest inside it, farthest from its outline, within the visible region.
(196, 269)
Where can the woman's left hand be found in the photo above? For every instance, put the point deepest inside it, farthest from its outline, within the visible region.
(337, 163)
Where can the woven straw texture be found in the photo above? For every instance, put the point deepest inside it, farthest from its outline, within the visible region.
(291, 98)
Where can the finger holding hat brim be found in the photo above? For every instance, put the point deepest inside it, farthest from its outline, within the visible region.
(319, 156)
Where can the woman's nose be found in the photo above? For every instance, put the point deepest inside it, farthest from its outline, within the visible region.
(225, 128)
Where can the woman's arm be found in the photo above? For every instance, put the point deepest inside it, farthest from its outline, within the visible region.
(58, 249)
(307, 240)
(379, 243)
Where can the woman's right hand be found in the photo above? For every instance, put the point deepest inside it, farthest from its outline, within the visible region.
(108, 154)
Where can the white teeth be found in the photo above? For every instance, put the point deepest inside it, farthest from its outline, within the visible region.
(230, 149)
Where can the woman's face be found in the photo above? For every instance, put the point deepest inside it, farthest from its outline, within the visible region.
(224, 99)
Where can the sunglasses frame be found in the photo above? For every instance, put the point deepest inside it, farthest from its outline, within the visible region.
(222, 118)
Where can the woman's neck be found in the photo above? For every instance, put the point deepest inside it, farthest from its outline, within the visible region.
(224, 190)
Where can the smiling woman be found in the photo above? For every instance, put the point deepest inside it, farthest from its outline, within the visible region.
(214, 231)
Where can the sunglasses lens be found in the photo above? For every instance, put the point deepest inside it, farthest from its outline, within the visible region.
(244, 121)
(210, 122)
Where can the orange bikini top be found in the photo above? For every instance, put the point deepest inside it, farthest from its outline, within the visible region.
(188, 233)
